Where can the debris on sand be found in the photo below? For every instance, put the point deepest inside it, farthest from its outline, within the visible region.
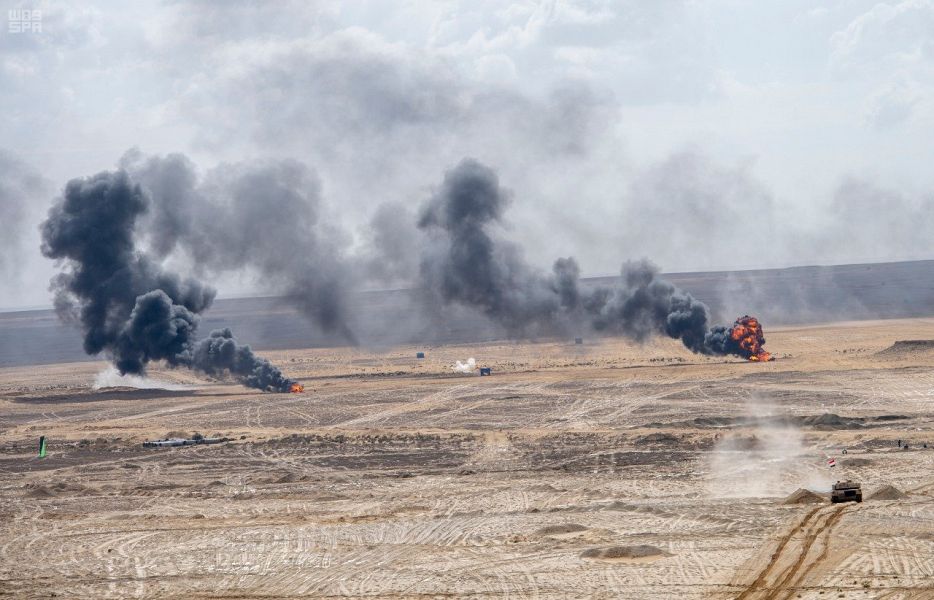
(561, 530)
(803, 496)
(641, 553)
(887, 492)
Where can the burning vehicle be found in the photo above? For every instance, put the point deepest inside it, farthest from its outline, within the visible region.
(749, 339)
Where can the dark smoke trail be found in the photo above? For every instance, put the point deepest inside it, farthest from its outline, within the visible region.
(122, 299)
(466, 263)
(644, 306)
(220, 353)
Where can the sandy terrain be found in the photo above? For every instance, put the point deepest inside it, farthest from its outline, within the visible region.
(602, 470)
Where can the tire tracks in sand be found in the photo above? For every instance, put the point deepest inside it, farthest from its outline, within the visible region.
(789, 565)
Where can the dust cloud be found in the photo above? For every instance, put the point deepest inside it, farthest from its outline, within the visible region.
(769, 459)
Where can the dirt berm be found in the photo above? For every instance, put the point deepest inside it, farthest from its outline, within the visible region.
(803, 496)
(887, 492)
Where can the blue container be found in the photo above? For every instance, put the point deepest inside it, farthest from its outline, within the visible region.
(485, 371)
(419, 355)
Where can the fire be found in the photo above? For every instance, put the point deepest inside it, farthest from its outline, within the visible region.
(747, 333)
(297, 388)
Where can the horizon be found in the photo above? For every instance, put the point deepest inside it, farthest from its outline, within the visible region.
(248, 295)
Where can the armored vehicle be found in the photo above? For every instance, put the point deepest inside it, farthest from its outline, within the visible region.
(846, 491)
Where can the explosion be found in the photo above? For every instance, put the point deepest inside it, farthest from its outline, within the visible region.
(747, 334)
(297, 388)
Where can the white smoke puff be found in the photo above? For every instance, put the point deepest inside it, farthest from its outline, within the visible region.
(466, 367)
(774, 462)
(110, 377)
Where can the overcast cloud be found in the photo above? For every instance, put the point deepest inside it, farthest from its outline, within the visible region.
(702, 135)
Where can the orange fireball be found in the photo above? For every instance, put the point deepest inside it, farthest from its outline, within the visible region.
(747, 333)
(297, 388)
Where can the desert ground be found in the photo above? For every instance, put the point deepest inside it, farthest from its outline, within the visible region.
(601, 470)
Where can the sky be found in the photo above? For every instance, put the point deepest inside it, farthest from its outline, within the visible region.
(701, 135)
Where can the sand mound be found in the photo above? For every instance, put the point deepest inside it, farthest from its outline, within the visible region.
(856, 462)
(887, 492)
(625, 553)
(803, 496)
(907, 347)
(563, 529)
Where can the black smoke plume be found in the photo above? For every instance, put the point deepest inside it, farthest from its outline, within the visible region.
(124, 302)
(466, 262)
(644, 305)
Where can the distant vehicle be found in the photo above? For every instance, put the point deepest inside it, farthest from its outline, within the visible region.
(846, 491)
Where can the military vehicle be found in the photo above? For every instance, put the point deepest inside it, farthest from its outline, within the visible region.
(846, 491)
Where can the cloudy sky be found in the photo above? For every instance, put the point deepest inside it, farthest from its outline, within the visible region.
(703, 135)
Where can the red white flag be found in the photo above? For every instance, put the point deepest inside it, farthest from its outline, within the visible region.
(831, 462)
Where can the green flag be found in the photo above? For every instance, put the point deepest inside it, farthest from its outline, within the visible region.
(42, 446)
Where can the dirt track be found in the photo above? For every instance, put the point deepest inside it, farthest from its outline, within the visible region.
(394, 477)
(792, 560)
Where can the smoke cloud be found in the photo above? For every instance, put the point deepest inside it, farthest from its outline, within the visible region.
(465, 367)
(466, 262)
(125, 304)
(264, 216)
(391, 251)
(18, 186)
(111, 377)
(771, 459)
(268, 218)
